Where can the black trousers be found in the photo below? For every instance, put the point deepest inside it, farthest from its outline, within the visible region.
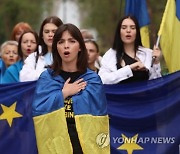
(74, 139)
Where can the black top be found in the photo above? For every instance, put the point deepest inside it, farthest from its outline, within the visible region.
(68, 101)
(69, 113)
(137, 75)
(72, 75)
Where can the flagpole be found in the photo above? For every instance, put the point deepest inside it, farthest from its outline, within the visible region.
(157, 44)
(158, 40)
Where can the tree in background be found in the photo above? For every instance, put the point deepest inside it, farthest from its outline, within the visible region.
(156, 10)
(101, 15)
(14, 11)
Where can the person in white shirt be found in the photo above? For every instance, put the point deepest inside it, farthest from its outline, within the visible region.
(37, 62)
(128, 61)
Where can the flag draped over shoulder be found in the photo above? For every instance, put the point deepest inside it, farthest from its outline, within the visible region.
(169, 35)
(16, 124)
(138, 8)
(90, 114)
(144, 117)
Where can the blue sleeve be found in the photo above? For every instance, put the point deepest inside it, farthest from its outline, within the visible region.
(10, 76)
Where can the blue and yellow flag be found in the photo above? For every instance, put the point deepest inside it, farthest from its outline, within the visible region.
(16, 125)
(90, 114)
(138, 8)
(144, 117)
(169, 35)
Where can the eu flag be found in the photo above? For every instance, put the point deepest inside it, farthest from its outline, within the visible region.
(16, 125)
(144, 117)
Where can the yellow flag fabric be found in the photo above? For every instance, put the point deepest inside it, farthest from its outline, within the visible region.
(145, 36)
(169, 37)
(94, 138)
(51, 133)
(53, 138)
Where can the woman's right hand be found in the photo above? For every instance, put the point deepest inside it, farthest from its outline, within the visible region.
(137, 66)
(70, 89)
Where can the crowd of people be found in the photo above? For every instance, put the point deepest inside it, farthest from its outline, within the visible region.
(25, 57)
(70, 72)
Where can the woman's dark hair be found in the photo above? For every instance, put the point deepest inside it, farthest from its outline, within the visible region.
(20, 53)
(93, 42)
(118, 44)
(42, 46)
(54, 20)
(82, 55)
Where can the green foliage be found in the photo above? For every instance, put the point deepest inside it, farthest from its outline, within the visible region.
(156, 10)
(101, 15)
(14, 11)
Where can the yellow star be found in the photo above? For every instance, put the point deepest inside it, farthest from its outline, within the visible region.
(130, 144)
(9, 113)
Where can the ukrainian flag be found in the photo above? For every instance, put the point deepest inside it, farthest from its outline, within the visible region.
(90, 109)
(138, 8)
(169, 35)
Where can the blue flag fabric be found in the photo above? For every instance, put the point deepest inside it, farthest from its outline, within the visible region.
(138, 8)
(2, 69)
(178, 9)
(144, 117)
(16, 126)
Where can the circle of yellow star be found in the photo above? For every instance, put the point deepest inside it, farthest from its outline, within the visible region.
(130, 144)
(9, 113)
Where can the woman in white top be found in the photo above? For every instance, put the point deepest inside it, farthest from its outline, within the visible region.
(127, 61)
(37, 62)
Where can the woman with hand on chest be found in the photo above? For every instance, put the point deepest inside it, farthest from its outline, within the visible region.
(128, 61)
(70, 100)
